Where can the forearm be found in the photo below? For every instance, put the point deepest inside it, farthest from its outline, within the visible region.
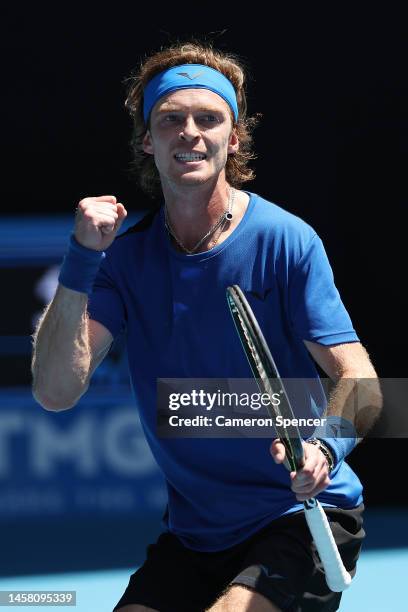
(357, 400)
(61, 354)
(354, 406)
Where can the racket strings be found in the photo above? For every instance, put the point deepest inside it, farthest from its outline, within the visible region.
(257, 358)
(258, 355)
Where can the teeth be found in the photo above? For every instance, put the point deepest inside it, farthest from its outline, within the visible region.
(190, 156)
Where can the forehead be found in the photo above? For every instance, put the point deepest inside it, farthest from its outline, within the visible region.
(190, 100)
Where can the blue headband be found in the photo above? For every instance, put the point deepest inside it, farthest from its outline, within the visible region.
(188, 76)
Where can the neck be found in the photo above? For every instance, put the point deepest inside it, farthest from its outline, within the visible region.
(194, 211)
(204, 214)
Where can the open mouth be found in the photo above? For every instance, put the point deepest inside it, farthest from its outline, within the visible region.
(190, 157)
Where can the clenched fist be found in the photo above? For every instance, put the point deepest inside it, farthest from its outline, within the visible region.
(98, 221)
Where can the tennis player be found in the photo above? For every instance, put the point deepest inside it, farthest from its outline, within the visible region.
(235, 537)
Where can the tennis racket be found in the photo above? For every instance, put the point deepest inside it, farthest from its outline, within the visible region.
(269, 381)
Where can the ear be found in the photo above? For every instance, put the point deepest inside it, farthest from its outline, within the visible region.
(233, 144)
(147, 143)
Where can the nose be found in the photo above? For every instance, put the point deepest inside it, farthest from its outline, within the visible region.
(189, 130)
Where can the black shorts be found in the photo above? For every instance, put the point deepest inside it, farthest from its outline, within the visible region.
(279, 561)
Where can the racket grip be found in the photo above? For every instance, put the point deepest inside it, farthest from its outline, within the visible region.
(337, 577)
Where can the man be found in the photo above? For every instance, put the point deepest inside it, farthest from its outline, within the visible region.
(236, 537)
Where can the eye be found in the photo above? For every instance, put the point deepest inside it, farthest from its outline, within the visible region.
(171, 118)
(209, 118)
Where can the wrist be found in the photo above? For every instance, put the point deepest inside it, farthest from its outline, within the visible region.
(338, 435)
(80, 267)
(324, 450)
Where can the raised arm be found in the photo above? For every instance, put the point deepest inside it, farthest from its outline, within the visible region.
(67, 346)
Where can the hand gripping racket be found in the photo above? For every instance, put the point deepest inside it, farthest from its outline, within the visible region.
(269, 381)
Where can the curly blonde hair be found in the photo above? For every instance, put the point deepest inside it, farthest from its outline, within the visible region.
(143, 166)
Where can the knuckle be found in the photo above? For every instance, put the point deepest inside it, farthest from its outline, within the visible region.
(87, 199)
(105, 206)
(82, 204)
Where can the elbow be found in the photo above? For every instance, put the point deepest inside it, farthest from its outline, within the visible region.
(53, 404)
(368, 405)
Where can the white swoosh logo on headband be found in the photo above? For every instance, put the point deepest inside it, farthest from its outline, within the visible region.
(190, 76)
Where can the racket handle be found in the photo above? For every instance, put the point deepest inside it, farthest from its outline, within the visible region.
(337, 577)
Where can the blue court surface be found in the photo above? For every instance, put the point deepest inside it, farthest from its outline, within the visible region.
(379, 586)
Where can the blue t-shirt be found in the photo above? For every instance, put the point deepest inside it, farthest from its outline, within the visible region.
(173, 309)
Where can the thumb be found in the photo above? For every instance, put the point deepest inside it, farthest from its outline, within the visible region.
(122, 214)
(278, 451)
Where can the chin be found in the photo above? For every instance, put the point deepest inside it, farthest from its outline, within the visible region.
(191, 178)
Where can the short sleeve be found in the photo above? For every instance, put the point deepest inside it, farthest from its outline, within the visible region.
(316, 310)
(105, 304)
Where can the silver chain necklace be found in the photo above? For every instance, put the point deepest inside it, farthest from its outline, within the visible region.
(226, 216)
